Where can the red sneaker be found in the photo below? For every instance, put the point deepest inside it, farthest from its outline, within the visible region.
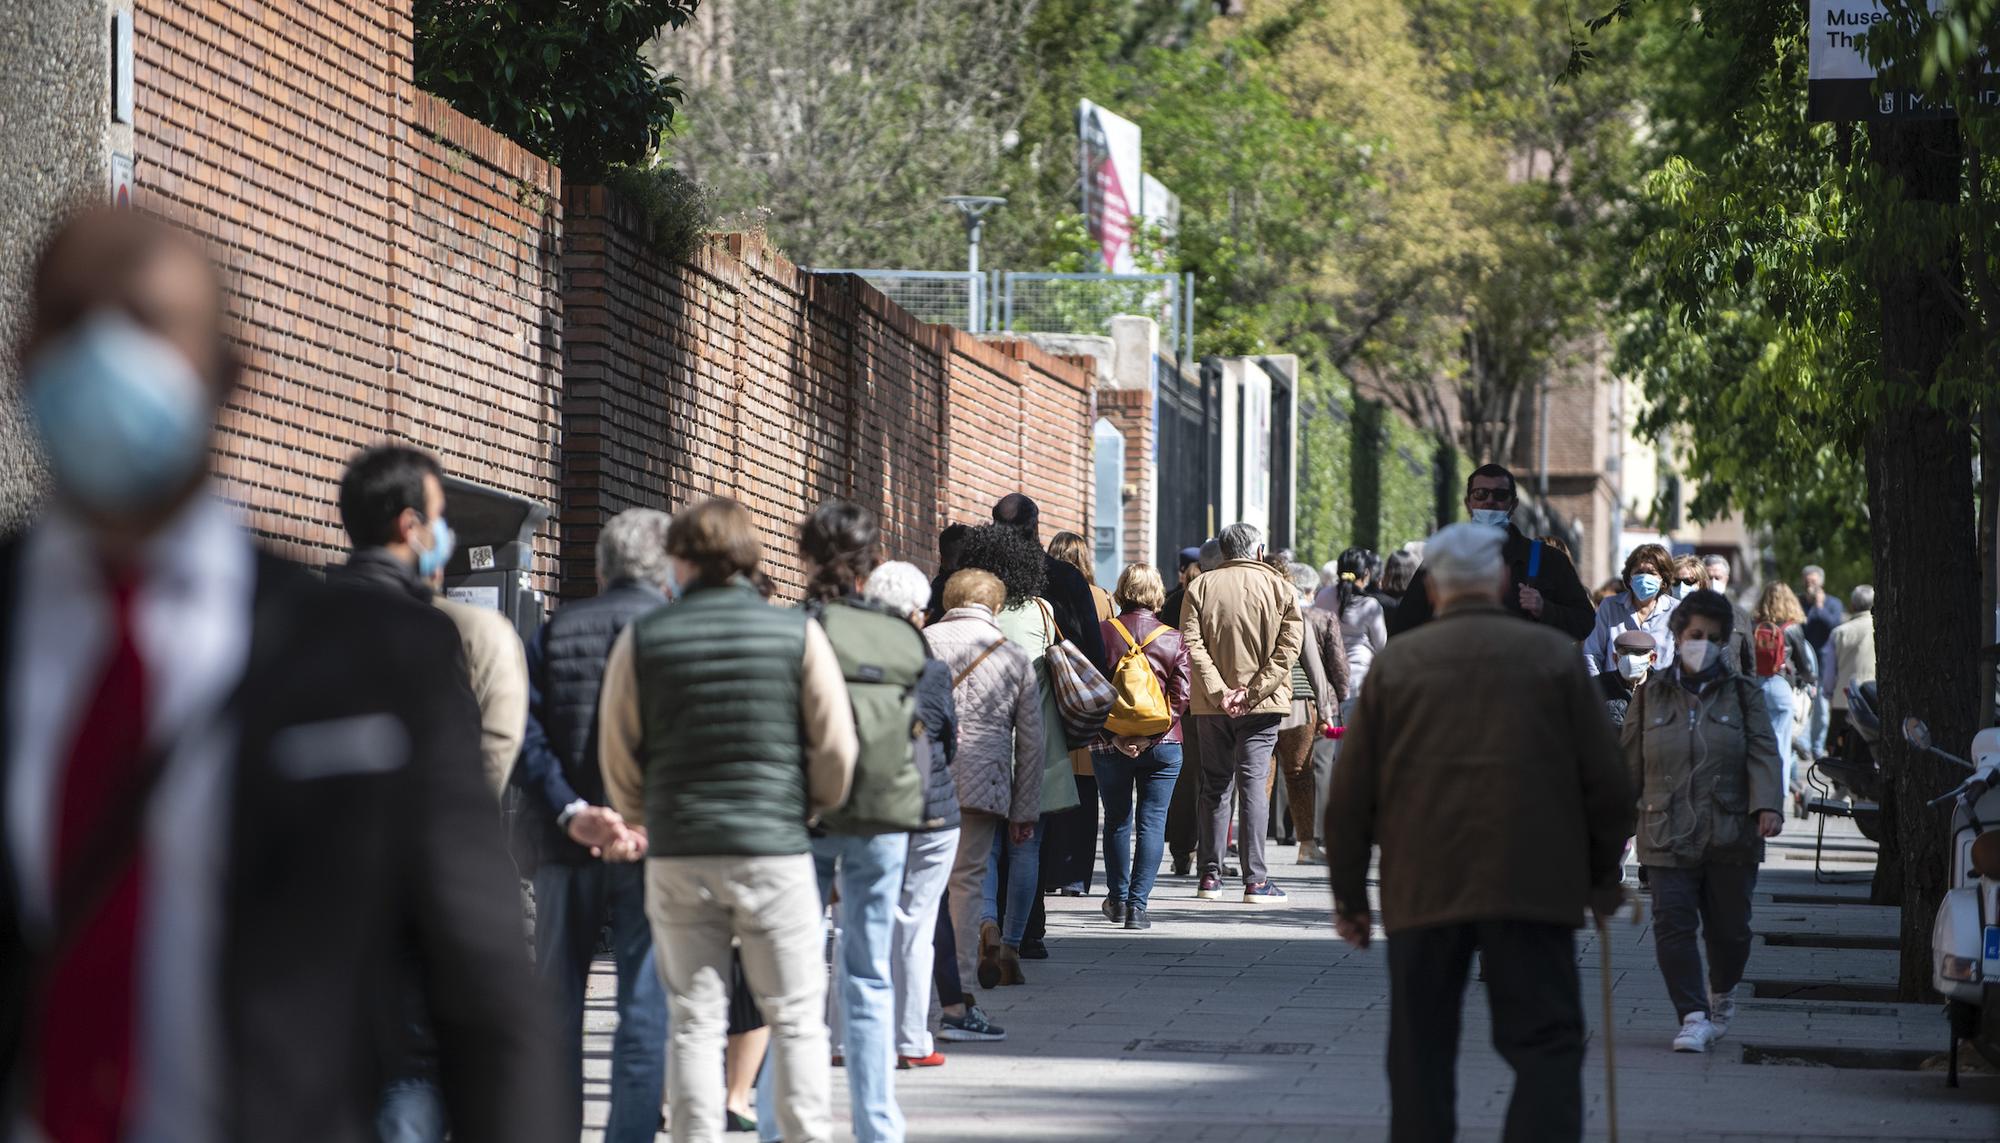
(934, 1060)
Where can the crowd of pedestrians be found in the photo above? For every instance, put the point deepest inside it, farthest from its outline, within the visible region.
(798, 831)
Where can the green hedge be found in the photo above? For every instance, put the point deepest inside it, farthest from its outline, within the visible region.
(1367, 478)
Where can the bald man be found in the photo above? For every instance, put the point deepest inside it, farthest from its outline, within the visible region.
(239, 807)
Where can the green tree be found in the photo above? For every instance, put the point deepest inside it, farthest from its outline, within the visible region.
(568, 79)
(1844, 283)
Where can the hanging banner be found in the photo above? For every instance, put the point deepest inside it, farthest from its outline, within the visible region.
(1110, 157)
(1840, 82)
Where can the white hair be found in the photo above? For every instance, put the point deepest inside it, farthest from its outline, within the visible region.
(633, 546)
(1240, 541)
(1329, 573)
(900, 586)
(1304, 580)
(1465, 558)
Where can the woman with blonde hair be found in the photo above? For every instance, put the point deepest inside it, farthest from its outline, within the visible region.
(1074, 550)
(1782, 663)
(1139, 770)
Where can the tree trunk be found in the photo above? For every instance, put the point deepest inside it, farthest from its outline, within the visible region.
(1919, 462)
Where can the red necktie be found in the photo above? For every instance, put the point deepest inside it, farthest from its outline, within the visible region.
(89, 1001)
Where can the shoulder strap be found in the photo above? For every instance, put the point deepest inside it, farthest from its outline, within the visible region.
(1534, 559)
(974, 664)
(1157, 632)
(1050, 633)
(1129, 641)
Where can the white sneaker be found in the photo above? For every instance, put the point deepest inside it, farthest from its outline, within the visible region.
(1311, 854)
(1696, 1033)
(1721, 1011)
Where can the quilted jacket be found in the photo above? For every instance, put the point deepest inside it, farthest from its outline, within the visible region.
(1000, 759)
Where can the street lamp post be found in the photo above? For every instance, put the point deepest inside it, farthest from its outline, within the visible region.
(972, 210)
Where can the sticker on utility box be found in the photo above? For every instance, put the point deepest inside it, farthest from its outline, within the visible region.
(1992, 942)
(481, 557)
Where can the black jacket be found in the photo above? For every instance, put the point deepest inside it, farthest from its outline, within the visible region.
(1069, 597)
(1566, 605)
(559, 751)
(375, 568)
(341, 868)
(1170, 611)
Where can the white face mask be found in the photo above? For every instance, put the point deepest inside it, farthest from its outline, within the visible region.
(1491, 517)
(1634, 667)
(1696, 654)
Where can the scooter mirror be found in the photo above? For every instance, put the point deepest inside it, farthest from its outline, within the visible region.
(1917, 733)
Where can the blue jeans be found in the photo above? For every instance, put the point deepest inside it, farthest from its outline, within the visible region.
(1778, 697)
(1816, 724)
(870, 871)
(1130, 866)
(412, 1111)
(573, 903)
(1024, 884)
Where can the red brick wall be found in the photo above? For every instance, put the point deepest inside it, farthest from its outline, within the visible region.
(399, 271)
(1131, 412)
(392, 263)
(741, 375)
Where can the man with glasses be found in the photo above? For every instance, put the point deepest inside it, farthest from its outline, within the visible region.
(1543, 585)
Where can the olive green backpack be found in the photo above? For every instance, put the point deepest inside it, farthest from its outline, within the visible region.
(881, 657)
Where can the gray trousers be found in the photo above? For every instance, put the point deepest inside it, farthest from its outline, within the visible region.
(1235, 752)
(1715, 898)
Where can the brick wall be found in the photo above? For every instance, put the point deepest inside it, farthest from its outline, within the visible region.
(1131, 412)
(741, 375)
(399, 271)
(392, 263)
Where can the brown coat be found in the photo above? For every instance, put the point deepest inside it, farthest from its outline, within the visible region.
(1242, 630)
(1703, 765)
(1479, 758)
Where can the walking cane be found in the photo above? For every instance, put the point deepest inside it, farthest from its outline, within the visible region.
(1610, 1040)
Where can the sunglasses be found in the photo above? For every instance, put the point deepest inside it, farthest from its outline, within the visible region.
(1490, 495)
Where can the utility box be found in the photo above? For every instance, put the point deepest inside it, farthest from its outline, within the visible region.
(496, 551)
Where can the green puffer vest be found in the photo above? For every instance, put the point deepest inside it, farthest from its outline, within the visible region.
(719, 681)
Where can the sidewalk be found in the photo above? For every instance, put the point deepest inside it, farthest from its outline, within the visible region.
(1239, 1022)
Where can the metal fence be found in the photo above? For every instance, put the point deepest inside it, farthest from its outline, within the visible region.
(1086, 303)
(941, 297)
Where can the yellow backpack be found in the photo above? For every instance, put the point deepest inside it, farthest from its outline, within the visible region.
(1141, 709)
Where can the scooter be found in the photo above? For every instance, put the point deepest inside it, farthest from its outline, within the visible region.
(1965, 938)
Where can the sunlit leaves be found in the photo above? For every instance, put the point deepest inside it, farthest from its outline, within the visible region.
(566, 78)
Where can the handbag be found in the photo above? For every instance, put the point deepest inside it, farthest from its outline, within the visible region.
(1083, 695)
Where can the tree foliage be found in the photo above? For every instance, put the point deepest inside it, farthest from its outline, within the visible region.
(568, 79)
(840, 125)
(1814, 310)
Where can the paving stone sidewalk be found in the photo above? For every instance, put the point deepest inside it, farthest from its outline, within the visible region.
(1239, 1022)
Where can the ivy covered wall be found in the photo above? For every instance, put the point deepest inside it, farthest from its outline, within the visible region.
(1367, 478)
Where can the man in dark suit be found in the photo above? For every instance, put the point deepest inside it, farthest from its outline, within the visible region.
(1542, 584)
(236, 802)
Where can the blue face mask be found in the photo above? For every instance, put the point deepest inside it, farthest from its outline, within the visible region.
(1491, 517)
(123, 416)
(1645, 586)
(431, 560)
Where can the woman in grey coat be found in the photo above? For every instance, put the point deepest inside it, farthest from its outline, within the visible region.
(1702, 754)
(999, 763)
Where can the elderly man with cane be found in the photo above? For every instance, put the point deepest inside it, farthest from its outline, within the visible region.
(1480, 760)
